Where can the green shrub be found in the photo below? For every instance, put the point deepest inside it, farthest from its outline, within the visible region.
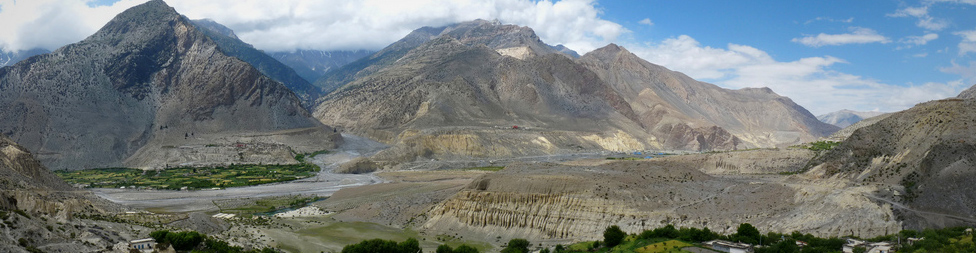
(613, 236)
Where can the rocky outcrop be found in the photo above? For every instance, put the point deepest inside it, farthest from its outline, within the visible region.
(147, 78)
(43, 210)
(359, 165)
(924, 156)
(566, 202)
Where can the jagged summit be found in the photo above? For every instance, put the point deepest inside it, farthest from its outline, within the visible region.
(146, 78)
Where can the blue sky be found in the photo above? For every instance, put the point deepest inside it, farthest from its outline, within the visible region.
(826, 55)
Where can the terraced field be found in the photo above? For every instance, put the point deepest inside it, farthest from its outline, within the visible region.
(189, 177)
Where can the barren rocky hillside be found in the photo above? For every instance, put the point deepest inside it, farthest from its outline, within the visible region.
(482, 89)
(41, 209)
(925, 155)
(683, 112)
(147, 78)
(229, 44)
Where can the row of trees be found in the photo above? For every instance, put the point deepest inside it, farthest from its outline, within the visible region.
(379, 245)
(198, 243)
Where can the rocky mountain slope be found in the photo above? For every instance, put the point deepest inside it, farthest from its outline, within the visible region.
(844, 118)
(10, 58)
(457, 91)
(926, 155)
(40, 211)
(313, 64)
(148, 79)
(681, 110)
(230, 45)
(968, 93)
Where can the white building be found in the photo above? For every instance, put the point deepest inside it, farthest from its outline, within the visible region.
(144, 245)
(727, 246)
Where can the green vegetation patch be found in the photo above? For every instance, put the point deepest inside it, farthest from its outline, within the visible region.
(821, 145)
(190, 177)
(665, 246)
(301, 157)
(263, 206)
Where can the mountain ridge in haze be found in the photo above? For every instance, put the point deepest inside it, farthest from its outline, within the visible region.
(844, 118)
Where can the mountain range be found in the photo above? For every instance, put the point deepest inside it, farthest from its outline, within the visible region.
(844, 118)
(10, 58)
(458, 91)
(150, 78)
(313, 64)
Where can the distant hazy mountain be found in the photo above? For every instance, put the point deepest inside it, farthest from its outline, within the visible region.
(149, 75)
(9, 58)
(312, 64)
(232, 46)
(844, 118)
(459, 90)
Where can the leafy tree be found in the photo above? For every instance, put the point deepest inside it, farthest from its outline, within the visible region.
(747, 233)
(860, 250)
(558, 249)
(411, 245)
(443, 248)
(783, 246)
(544, 250)
(613, 236)
(517, 245)
(379, 245)
(159, 235)
(465, 249)
(184, 240)
(370, 246)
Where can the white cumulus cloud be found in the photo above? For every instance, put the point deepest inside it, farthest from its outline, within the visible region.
(373, 24)
(51, 24)
(284, 25)
(646, 21)
(925, 20)
(810, 82)
(968, 43)
(858, 35)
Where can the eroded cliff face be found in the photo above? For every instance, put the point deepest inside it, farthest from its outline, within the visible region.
(26, 185)
(148, 76)
(572, 202)
(51, 208)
